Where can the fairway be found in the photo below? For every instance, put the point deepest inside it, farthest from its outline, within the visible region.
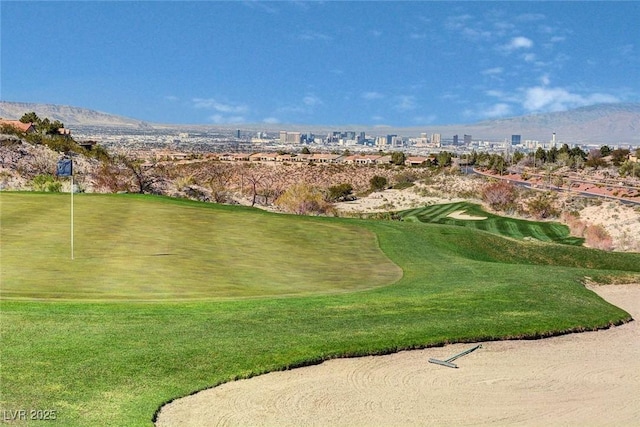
(153, 248)
(503, 226)
(158, 305)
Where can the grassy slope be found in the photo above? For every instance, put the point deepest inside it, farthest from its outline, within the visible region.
(116, 363)
(504, 226)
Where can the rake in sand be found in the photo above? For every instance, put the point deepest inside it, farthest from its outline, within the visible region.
(452, 358)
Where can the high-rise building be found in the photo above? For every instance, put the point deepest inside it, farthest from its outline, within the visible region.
(290, 137)
(516, 139)
(436, 139)
(467, 139)
(455, 139)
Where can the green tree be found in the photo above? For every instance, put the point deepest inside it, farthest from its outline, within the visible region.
(552, 155)
(630, 168)
(398, 158)
(340, 192)
(618, 156)
(378, 183)
(305, 150)
(518, 156)
(595, 159)
(605, 150)
(540, 156)
(31, 117)
(444, 159)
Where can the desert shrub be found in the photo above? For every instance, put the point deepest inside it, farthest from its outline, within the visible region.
(378, 183)
(303, 199)
(597, 237)
(46, 182)
(542, 206)
(576, 226)
(340, 192)
(500, 195)
(406, 177)
(108, 177)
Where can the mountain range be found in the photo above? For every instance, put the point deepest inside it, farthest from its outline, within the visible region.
(617, 123)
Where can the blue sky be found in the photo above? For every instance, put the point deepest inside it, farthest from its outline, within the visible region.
(325, 63)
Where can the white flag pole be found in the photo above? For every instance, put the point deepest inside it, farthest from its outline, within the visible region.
(72, 215)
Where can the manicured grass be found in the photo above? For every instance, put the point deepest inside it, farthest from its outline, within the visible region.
(504, 226)
(132, 248)
(115, 363)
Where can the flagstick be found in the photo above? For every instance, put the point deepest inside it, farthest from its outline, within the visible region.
(72, 216)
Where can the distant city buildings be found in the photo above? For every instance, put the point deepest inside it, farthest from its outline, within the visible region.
(290, 137)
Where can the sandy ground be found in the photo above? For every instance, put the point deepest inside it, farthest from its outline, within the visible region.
(591, 378)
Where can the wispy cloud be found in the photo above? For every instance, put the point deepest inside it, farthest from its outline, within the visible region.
(544, 98)
(493, 71)
(496, 111)
(405, 103)
(519, 42)
(222, 119)
(311, 101)
(314, 35)
(530, 17)
(371, 96)
(261, 5)
(271, 120)
(212, 104)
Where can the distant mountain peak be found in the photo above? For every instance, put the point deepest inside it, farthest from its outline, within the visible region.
(67, 114)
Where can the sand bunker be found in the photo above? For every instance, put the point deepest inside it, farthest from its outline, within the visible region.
(591, 378)
(463, 216)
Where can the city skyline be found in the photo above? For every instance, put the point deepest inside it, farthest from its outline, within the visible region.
(336, 63)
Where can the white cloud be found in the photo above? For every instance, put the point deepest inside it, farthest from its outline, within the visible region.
(529, 57)
(271, 120)
(314, 35)
(212, 104)
(425, 120)
(529, 17)
(457, 22)
(543, 98)
(497, 110)
(405, 103)
(311, 100)
(222, 119)
(492, 71)
(370, 96)
(518, 43)
(260, 5)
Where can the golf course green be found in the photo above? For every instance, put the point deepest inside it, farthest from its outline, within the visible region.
(166, 297)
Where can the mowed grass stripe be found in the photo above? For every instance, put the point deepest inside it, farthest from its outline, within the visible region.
(504, 226)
